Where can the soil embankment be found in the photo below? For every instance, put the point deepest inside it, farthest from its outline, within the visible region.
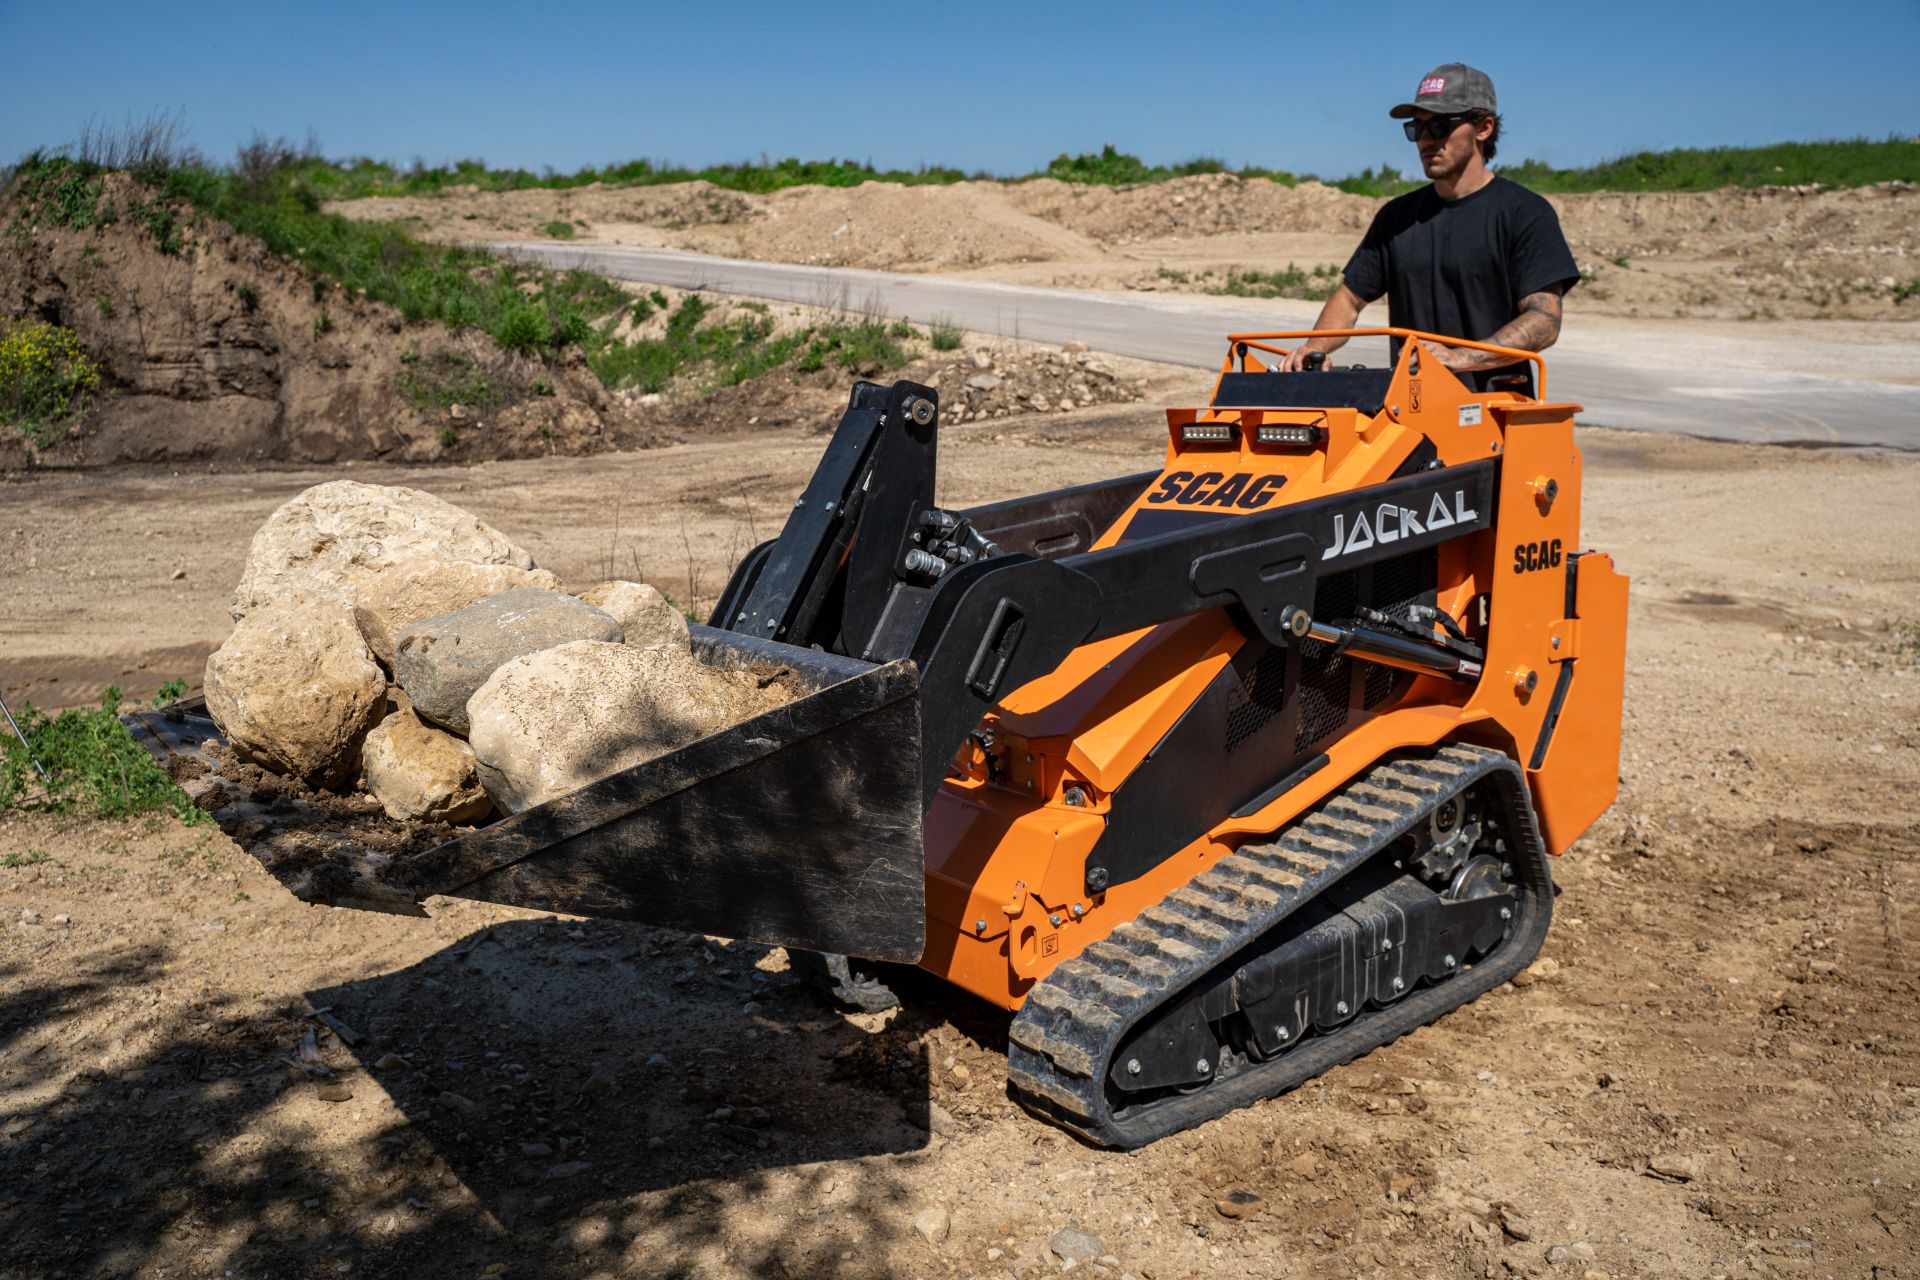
(216, 349)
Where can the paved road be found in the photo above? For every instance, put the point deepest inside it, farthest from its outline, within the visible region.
(1691, 399)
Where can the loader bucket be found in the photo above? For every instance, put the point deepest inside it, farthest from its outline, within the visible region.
(800, 827)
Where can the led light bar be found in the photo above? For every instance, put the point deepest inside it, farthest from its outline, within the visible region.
(1287, 433)
(1206, 432)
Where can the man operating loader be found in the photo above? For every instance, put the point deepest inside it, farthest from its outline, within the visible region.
(1471, 255)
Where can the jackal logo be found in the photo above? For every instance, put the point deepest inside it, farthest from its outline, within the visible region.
(1390, 522)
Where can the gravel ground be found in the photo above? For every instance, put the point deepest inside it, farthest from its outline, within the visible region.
(1711, 1072)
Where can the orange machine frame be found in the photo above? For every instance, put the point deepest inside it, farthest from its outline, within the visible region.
(1006, 858)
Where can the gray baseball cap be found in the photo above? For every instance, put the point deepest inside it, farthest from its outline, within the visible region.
(1449, 89)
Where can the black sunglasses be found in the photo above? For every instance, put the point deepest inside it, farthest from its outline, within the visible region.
(1437, 126)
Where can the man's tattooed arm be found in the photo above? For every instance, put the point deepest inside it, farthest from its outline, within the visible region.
(1536, 328)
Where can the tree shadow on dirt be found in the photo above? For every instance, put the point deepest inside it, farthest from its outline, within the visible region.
(556, 1097)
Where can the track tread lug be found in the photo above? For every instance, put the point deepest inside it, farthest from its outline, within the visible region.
(1078, 1016)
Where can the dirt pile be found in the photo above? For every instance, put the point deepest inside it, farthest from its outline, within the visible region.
(988, 378)
(1203, 205)
(996, 383)
(877, 224)
(219, 350)
(1773, 252)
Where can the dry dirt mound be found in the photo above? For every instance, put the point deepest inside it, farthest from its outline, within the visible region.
(1775, 252)
(468, 213)
(225, 351)
(1206, 204)
(876, 224)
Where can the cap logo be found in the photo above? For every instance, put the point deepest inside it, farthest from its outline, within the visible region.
(1431, 86)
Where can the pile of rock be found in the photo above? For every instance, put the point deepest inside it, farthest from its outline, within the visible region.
(388, 639)
(997, 384)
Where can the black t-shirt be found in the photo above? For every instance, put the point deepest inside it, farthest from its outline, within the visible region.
(1460, 267)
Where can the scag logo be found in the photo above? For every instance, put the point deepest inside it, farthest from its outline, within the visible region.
(1215, 489)
(1529, 556)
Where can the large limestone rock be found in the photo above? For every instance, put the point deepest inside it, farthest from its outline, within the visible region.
(647, 618)
(419, 774)
(441, 661)
(294, 689)
(335, 536)
(551, 722)
(411, 590)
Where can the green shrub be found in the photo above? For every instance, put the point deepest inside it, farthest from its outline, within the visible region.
(45, 377)
(1112, 167)
(249, 294)
(945, 334)
(1384, 181)
(58, 191)
(521, 327)
(439, 382)
(852, 346)
(559, 230)
(160, 222)
(1854, 162)
(94, 766)
(1318, 283)
(1109, 168)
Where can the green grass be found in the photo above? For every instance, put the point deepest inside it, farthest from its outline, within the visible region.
(94, 766)
(1843, 163)
(1383, 182)
(56, 190)
(945, 334)
(1292, 282)
(1855, 162)
(528, 311)
(437, 383)
(726, 354)
(559, 229)
(525, 310)
(354, 179)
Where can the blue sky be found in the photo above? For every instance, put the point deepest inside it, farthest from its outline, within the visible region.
(994, 86)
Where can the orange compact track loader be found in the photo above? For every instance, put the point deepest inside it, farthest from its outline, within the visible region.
(1213, 776)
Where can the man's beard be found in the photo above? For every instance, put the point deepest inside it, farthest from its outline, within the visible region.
(1439, 169)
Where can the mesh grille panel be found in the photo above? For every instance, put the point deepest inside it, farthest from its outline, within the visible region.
(1398, 585)
(1260, 697)
(1381, 684)
(1325, 681)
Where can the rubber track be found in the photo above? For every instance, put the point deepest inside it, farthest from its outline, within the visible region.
(1068, 1029)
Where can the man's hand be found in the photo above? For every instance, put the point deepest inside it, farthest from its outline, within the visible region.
(1340, 311)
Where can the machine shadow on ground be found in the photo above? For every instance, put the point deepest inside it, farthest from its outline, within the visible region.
(568, 1093)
